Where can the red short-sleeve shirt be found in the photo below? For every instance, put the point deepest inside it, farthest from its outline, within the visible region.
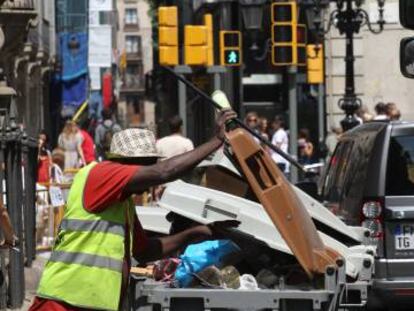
(105, 186)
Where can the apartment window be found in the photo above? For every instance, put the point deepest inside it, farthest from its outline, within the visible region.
(131, 17)
(133, 44)
(133, 76)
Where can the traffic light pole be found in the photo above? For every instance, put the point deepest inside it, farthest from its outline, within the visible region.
(182, 95)
(216, 71)
(293, 121)
(321, 114)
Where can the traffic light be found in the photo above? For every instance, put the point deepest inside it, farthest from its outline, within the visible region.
(208, 22)
(301, 38)
(315, 61)
(230, 48)
(284, 33)
(195, 45)
(168, 35)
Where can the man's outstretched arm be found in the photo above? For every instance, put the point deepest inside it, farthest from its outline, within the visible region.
(171, 169)
(158, 248)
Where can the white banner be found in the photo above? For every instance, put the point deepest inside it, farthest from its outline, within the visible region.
(93, 18)
(100, 5)
(95, 78)
(100, 46)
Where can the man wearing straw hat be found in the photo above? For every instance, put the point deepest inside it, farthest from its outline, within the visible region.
(89, 266)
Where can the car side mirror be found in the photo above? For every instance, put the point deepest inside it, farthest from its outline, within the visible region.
(407, 13)
(407, 57)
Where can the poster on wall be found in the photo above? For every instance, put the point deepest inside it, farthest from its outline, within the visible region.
(100, 46)
(95, 78)
(100, 5)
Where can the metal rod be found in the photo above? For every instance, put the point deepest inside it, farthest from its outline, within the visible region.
(30, 157)
(14, 207)
(238, 121)
(182, 111)
(293, 119)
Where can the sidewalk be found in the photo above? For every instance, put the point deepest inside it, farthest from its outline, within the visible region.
(32, 276)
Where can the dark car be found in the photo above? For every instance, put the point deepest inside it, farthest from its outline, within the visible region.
(370, 182)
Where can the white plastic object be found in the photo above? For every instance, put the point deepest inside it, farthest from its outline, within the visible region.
(248, 282)
(221, 99)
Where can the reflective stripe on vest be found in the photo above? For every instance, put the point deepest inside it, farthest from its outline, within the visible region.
(87, 260)
(93, 226)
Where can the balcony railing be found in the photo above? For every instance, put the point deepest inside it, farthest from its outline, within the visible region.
(17, 4)
(133, 82)
(137, 55)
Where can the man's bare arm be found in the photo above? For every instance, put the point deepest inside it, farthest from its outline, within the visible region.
(168, 170)
(159, 248)
(6, 226)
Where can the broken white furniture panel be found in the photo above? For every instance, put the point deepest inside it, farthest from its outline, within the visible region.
(205, 205)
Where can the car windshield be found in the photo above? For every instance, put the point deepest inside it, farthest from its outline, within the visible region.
(400, 168)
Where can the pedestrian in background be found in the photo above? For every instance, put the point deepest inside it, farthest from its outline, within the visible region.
(44, 158)
(364, 115)
(381, 111)
(175, 143)
(332, 138)
(305, 147)
(395, 115)
(104, 133)
(264, 127)
(280, 139)
(392, 112)
(252, 122)
(58, 166)
(88, 146)
(71, 141)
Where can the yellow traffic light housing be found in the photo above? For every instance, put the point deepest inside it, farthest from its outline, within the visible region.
(195, 45)
(284, 33)
(208, 22)
(230, 48)
(315, 61)
(168, 35)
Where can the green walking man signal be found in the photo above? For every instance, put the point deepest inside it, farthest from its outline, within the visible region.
(232, 57)
(230, 48)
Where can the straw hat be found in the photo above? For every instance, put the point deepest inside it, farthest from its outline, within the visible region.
(133, 143)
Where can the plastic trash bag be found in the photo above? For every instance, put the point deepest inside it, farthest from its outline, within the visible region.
(248, 282)
(197, 257)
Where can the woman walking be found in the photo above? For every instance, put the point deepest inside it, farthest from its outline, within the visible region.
(71, 141)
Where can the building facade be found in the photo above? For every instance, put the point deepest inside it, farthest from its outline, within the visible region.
(26, 57)
(134, 45)
(377, 69)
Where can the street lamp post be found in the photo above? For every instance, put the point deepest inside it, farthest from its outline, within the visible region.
(349, 24)
(349, 19)
(252, 13)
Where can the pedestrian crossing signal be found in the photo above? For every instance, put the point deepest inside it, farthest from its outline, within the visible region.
(230, 48)
(232, 57)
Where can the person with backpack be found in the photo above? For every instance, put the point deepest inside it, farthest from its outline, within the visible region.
(104, 133)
